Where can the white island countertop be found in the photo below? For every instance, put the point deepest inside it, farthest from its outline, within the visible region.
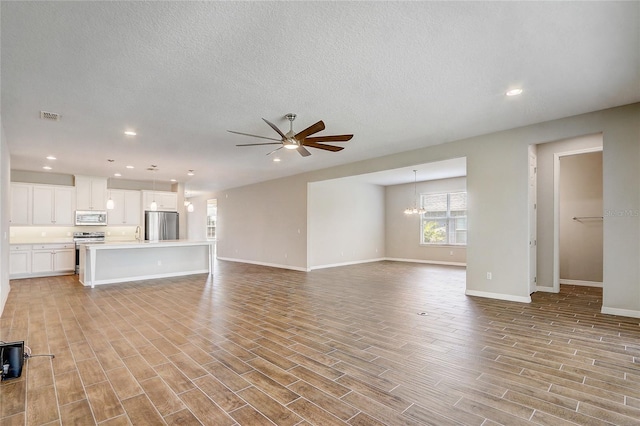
(123, 261)
(107, 245)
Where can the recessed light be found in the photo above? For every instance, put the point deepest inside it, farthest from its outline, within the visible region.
(190, 173)
(117, 174)
(130, 167)
(276, 160)
(514, 92)
(173, 180)
(46, 167)
(51, 157)
(130, 133)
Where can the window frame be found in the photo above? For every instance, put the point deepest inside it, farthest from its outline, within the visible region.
(450, 220)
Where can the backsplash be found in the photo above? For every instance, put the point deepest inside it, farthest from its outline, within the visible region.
(44, 234)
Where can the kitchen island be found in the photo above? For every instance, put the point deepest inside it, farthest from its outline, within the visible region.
(116, 262)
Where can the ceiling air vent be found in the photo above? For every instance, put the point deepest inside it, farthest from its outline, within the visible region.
(49, 116)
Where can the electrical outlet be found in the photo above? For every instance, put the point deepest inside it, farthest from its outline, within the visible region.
(450, 252)
(43, 234)
(489, 276)
(285, 255)
(159, 262)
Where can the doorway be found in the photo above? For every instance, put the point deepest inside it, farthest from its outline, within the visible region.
(578, 228)
(212, 217)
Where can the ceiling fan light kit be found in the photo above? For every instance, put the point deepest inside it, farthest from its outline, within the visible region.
(299, 141)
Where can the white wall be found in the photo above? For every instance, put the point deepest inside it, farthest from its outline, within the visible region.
(581, 196)
(260, 222)
(545, 197)
(345, 223)
(403, 231)
(5, 189)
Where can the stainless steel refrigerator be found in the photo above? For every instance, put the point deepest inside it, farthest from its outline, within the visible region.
(160, 226)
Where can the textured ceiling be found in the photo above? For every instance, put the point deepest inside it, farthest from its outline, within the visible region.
(398, 75)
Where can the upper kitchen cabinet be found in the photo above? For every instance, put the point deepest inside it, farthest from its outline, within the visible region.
(53, 205)
(21, 208)
(166, 201)
(91, 193)
(126, 210)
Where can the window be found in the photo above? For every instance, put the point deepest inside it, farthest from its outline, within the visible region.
(445, 220)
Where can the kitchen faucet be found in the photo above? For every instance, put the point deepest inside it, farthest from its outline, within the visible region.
(138, 235)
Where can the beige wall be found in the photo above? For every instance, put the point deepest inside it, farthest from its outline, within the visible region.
(581, 196)
(346, 222)
(403, 231)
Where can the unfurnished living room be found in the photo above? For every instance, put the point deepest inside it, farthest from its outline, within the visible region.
(317, 213)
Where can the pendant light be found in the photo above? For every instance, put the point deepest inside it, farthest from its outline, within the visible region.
(110, 204)
(188, 204)
(153, 206)
(415, 209)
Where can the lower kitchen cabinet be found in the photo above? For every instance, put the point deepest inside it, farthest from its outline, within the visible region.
(41, 260)
(19, 260)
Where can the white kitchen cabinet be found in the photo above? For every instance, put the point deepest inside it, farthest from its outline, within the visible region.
(126, 209)
(167, 201)
(21, 209)
(91, 193)
(53, 205)
(53, 258)
(19, 261)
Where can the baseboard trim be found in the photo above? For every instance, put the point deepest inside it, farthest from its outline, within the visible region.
(499, 296)
(431, 262)
(582, 283)
(620, 312)
(272, 265)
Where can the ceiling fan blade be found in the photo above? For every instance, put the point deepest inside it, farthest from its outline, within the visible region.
(333, 138)
(315, 128)
(274, 127)
(271, 152)
(265, 143)
(321, 146)
(303, 151)
(255, 136)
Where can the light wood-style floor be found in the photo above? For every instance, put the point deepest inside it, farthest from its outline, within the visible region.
(255, 345)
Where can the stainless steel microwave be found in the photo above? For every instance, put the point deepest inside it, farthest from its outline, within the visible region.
(91, 217)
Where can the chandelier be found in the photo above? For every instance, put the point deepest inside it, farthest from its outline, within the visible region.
(415, 209)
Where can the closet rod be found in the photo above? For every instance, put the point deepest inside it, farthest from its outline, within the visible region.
(588, 217)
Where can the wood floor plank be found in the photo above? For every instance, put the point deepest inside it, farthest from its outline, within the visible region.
(42, 406)
(76, 413)
(205, 410)
(104, 402)
(277, 413)
(161, 396)
(141, 411)
(69, 388)
(182, 418)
